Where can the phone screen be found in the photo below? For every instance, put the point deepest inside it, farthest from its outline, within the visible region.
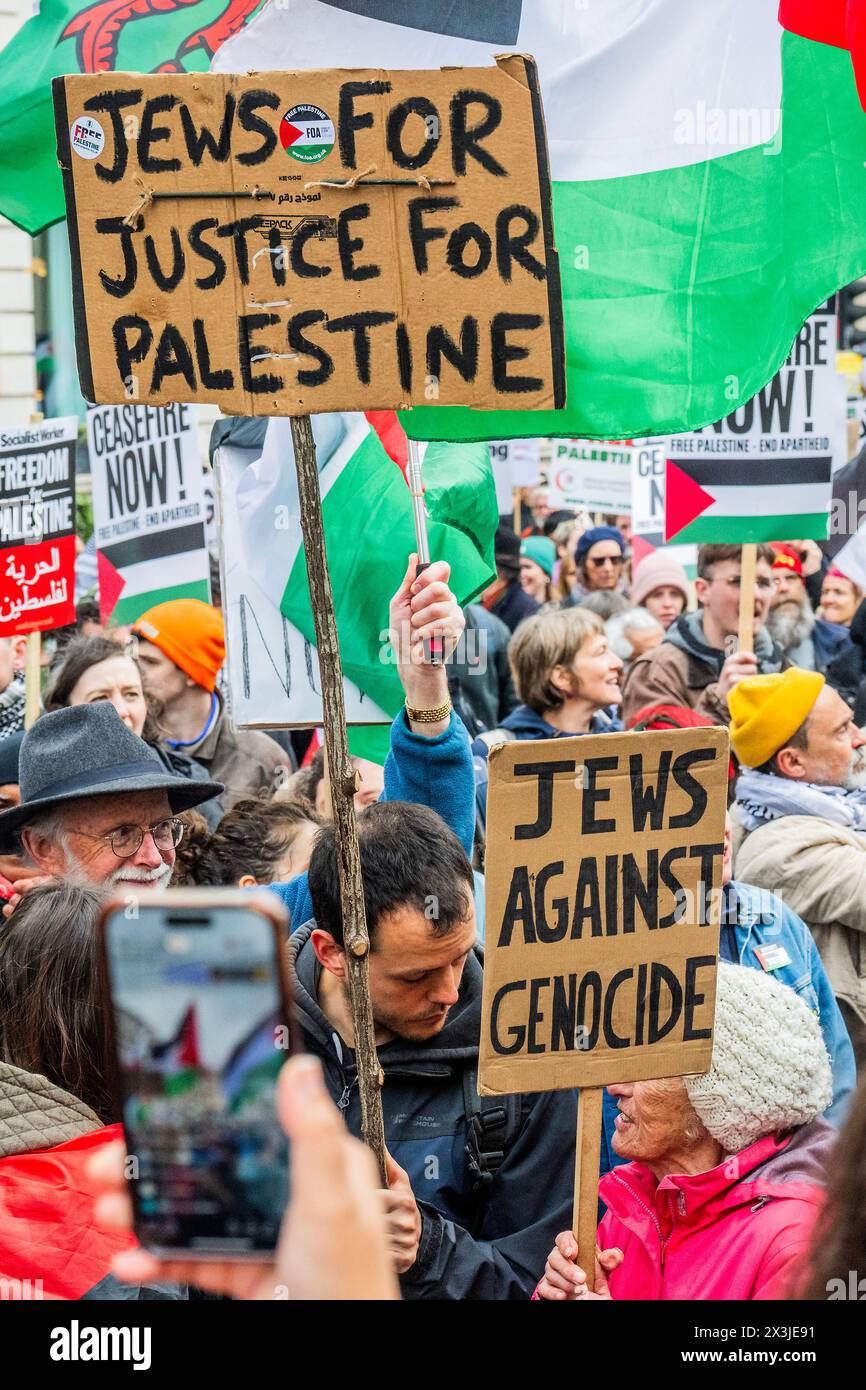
(201, 1037)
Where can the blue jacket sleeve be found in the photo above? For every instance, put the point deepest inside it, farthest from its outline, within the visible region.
(435, 772)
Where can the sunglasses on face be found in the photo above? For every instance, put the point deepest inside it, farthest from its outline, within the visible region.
(599, 560)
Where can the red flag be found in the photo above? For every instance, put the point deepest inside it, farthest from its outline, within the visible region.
(392, 437)
(841, 23)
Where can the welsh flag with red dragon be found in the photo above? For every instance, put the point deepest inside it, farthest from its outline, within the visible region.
(106, 36)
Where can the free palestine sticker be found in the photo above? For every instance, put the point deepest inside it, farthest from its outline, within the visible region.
(87, 137)
(307, 133)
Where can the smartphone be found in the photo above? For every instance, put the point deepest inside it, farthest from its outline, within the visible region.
(198, 983)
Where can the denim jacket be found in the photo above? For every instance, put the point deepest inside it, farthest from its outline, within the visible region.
(759, 917)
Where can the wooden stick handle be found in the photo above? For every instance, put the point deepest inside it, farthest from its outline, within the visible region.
(747, 598)
(516, 501)
(32, 679)
(342, 779)
(586, 1165)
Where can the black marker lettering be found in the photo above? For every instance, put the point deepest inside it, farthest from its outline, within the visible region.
(419, 235)
(249, 103)
(256, 383)
(514, 246)
(544, 773)
(348, 120)
(397, 117)
(518, 1034)
(119, 288)
(464, 358)
(112, 103)
(150, 134)
(504, 352)
(299, 343)
(359, 326)
(466, 139)
(347, 245)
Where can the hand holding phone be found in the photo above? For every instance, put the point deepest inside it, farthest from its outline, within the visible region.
(333, 1243)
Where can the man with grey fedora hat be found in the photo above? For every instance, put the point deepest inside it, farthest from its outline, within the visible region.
(97, 805)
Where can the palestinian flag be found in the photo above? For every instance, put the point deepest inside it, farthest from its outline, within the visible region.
(179, 1059)
(137, 574)
(720, 500)
(105, 36)
(708, 172)
(369, 534)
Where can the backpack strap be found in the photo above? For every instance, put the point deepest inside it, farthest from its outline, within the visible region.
(493, 1124)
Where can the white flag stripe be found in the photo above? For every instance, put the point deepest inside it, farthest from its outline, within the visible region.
(792, 499)
(266, 496)
(165, 573)
(721, 90)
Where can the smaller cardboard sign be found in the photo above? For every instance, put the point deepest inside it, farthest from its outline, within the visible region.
(37, 526)
(588, 475)
(149, 512)
(603, 888)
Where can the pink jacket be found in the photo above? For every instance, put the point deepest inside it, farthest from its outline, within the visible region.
(739, 1231)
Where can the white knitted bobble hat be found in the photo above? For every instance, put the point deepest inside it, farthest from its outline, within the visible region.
(770, 1067)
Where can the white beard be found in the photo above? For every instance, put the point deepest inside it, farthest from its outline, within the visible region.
(790, 623)
(158, 878)
(857, 771)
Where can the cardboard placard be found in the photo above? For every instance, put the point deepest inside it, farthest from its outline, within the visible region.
(214, 259)
(148, 508)
(37, 526)
(603, 906)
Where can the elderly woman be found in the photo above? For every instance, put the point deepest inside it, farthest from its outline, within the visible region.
(566, 675)
(724, 1175)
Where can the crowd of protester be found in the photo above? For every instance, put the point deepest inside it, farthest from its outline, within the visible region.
(134, 774)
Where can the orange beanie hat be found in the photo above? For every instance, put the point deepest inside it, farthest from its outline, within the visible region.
(190, 633)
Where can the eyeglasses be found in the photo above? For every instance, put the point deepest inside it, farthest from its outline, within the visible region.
(127, 840)
(599, 560)
(764, 586)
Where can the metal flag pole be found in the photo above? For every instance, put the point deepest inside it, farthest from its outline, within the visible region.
(415, 479)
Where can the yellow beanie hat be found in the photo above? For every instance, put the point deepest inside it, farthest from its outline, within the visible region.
(767, 710)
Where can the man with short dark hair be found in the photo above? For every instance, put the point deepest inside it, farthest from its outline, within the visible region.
(697, 664)
(801, 804)
(476, 1187)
